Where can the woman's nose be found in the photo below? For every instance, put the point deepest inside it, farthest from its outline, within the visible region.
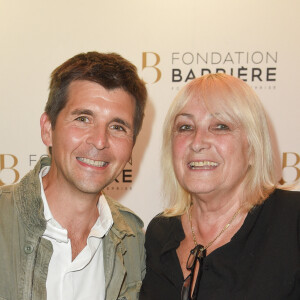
(200, 140)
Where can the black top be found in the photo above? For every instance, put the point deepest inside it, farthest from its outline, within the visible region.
(261, 262)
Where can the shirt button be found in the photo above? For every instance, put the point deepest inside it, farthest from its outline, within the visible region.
(28, 249)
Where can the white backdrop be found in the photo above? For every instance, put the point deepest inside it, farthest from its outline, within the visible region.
(170, 42)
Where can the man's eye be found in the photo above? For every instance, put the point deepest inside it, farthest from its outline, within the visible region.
(82, 119)
(118, 127)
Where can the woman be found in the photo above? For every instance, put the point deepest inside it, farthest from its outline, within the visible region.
(229, 232)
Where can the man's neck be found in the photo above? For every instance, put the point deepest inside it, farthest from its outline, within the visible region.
(76, 212)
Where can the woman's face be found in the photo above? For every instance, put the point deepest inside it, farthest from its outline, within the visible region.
(210, 157)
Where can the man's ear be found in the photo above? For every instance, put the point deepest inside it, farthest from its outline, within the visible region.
(46, 130)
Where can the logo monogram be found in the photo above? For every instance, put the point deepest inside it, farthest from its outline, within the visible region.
(5, 165)
(153, 65)
(286, 163)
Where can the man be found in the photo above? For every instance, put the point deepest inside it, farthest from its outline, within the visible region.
(60, 237)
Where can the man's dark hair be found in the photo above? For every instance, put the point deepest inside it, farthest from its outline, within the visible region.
(108, 69)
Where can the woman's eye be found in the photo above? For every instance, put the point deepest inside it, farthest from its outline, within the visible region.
(184, 127)
(221, 127)
(82, 119)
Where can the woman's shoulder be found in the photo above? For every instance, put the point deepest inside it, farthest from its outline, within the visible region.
(283, 204)
(161, 227)
(160, 222)
(286, 199)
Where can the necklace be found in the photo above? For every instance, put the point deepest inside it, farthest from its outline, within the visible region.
(218, 235)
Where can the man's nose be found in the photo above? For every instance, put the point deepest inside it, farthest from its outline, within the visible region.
(98, 137)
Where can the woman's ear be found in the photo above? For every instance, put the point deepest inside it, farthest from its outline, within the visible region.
(46, 130)
(250, 157)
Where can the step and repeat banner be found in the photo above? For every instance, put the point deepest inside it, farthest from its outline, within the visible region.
(170, 42)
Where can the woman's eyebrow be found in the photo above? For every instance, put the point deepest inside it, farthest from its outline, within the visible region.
(184, 115)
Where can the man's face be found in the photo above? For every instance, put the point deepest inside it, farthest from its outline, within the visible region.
(93, 137)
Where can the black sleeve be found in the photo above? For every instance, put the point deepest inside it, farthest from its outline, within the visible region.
(163, 274)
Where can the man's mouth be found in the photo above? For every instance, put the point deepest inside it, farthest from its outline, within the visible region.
(205, 164)
(93, 163)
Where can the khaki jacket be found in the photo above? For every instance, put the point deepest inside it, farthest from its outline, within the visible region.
(25, 255)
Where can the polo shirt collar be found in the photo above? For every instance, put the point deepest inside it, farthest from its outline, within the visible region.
(60, 234)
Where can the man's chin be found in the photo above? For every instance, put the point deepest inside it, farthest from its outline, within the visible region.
(90, 189)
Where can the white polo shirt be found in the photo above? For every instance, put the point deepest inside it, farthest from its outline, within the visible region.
(83, 278)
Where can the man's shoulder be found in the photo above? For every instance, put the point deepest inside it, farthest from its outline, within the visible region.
(4, 189)
(30, 182)
(123, 216)
(6, 194)
(7, 208)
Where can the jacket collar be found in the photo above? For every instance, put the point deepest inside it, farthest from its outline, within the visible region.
(31, 209)
(120, 226)
(28, 199)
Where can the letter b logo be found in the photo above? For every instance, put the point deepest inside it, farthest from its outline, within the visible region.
(290, 162)
(7, 164)
(151, 60)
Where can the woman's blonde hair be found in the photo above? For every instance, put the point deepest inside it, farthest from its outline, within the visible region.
(228, 99)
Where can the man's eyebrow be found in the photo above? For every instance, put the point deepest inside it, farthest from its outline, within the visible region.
(121, 121)
(79, 111)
